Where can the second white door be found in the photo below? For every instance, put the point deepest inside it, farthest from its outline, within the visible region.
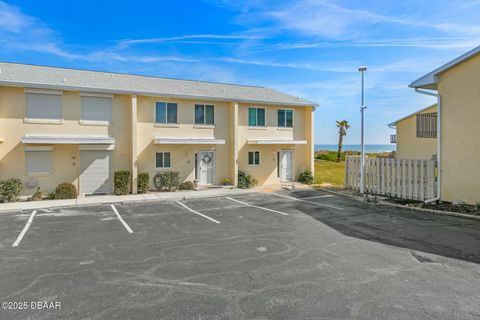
(286, 165)
(206, 167)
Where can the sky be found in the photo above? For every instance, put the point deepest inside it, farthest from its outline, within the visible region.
(307, 48)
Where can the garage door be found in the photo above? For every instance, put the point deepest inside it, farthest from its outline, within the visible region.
(96, 171)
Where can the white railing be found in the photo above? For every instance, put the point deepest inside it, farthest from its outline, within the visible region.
(399, 178)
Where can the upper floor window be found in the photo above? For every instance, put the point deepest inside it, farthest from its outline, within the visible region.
(256, 117)
(96, 108)
(427, 125)
(204, 114)
(43, 105)
(166, 112)
(285, 118)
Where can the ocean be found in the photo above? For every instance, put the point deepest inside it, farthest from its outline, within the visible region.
(371, 148)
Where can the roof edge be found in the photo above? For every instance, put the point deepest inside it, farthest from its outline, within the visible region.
(394, 123)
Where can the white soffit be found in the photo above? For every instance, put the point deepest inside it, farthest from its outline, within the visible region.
(275, 141)
(66, 139)
(192, 140)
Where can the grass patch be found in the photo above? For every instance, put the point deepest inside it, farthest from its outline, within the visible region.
(328, 173)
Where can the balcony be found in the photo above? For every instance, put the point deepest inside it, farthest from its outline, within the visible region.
(393, 138)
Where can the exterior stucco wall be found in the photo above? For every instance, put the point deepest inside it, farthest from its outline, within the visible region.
(66, 157)
(460, 92)
(411, 147)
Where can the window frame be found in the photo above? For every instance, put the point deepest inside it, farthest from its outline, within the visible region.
(96, 122)
(40, 149)
(27, 119)
(256, 117)
(163, 160)
(259, 158)
(285, 121)
(204, 124)
(166, 123)
(426, 130)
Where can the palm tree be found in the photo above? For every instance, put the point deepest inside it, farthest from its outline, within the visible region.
(342, 131)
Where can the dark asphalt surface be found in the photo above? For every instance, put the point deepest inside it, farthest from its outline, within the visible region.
(329, 258)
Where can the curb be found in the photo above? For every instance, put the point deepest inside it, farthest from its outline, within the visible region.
(439, 212)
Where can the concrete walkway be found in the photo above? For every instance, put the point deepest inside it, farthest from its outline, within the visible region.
(177, 195)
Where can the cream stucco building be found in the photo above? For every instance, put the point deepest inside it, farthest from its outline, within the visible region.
(416, 134)
(80, 126)
(456, 85)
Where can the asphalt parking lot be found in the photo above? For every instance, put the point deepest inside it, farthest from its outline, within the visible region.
(292, 255)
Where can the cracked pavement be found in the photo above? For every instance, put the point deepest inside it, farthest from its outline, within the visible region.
(363, 262)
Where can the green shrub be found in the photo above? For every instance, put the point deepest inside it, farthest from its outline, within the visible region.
(306, 177)
(167, 181)
(186, 185)
(122, 182)
(10, 189)
(66, 190)
(226, 182)
(50, 196)
(245, 180)
(38, 195)
(142, 182)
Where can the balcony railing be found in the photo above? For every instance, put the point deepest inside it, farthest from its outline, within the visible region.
(393, 138)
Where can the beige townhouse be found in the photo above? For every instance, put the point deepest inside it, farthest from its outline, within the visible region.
(456, 86)
(80, 126)
(416, 134)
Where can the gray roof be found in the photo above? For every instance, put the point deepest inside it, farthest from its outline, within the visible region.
(430, 80)
(33, 76)
(394, 123)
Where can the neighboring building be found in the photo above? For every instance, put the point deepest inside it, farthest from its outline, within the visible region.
(457, 86)
(416, 134)
(80, 126)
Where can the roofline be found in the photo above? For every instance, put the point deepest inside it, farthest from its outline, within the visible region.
(393, 124)
(154, 93)
(430, 79)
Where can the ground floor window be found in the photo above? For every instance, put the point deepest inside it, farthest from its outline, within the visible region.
(254, 158)
(39, 160)
(163, 160)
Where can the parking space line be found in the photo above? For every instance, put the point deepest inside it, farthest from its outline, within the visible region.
(311, 202)
(254, 206)
(29, 222)
(196, 212)
(322, 196)
(121, 219)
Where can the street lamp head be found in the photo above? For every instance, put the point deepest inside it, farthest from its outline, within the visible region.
(362, 68)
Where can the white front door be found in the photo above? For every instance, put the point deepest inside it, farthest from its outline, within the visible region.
(206, 167)
(96, 171)
(285, 165)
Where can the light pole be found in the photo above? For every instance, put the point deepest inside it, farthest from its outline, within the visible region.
(363, 69)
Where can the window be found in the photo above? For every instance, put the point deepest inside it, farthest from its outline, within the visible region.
(253, 158)
(285, 118)
(204, 114)
(162, 160)
(166, 112)
(427, 125)
(39, 160)
(256, 117)
(96, 108)
(44, 106)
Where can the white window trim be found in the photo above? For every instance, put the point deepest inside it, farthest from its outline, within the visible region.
(256, 115)
(163, 168)
(164, 124)
(43, 121)
(204, 125)
(259, 158)
(94, 122)
(293, 119)
(35, 149)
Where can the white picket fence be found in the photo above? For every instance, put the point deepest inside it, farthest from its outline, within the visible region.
(406, 179)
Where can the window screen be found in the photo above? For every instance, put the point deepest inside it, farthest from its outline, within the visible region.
(256, 117)
(204, 114)
(96, 108)
(285, 118)
(166, 112)
(44, 106)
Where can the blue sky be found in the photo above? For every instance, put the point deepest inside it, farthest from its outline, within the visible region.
(307, 48)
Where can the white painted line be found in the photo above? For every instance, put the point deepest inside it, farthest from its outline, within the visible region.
(29, 222)
(322, 196)
(196, 212)
(121, 219)
(311, 202)
(251, 205)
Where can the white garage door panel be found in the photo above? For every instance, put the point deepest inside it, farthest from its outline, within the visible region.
(96, 171)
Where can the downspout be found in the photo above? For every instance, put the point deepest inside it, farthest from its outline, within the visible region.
(439, 142)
